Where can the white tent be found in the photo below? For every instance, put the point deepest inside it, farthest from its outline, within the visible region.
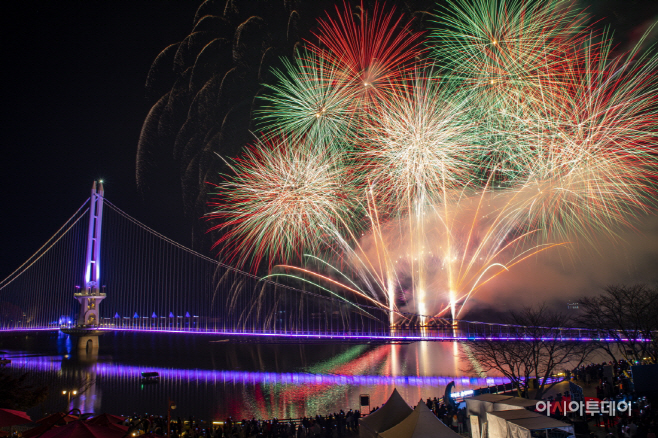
(481, 404)
(521, 423)
(515, 403)
(497, 421)
(420, 423)
(391, 413)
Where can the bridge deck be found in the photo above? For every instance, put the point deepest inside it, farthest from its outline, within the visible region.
(568, 335)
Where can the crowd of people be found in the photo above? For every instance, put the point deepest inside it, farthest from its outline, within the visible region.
(333, 425)
(450, 416)
(613, 385)
(610, 380)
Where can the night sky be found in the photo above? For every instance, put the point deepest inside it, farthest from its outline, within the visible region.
(73, 104)
(73, 107)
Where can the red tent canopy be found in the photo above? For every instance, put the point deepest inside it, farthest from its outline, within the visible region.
(49, 422)
(109, 421)
(36, 431)
(9, 417)
(80, 429)
(59, 418)
(105, 419)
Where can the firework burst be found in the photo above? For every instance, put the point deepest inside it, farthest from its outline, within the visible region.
(308, 100)
(282, 197)
(416, 146)
(506, 56)
(594, 162)
(369, 50)
(505, 47)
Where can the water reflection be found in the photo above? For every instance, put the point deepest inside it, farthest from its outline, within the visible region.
(212, 380)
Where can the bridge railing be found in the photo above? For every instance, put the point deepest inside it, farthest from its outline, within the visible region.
(460, 331)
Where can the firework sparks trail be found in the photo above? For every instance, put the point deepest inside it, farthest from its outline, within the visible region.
(534, 137)
(416, 152)
(457, 254)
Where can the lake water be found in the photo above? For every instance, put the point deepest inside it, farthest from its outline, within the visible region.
(211, 379)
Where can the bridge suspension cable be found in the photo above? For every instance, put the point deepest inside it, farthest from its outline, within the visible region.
(39, 293)
(79, 214)
(152, 282)
(172, 286)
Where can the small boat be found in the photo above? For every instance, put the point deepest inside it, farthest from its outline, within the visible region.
(150, 377)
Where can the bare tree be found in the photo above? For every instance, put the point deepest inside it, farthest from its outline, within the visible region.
(629, 316)
(538, 350)
(18, 392)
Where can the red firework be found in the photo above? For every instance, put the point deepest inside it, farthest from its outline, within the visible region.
(371, 51)
(284, 196)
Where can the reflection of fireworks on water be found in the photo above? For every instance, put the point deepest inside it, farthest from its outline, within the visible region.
(440, 186)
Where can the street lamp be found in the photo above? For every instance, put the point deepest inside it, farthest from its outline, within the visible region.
(69, 393)
(170, 405)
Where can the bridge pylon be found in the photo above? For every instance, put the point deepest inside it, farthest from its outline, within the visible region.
(91, 296)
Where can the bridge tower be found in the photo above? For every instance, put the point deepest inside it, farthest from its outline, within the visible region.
(91, 296)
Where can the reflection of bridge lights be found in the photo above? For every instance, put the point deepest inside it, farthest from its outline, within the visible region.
(133, 372)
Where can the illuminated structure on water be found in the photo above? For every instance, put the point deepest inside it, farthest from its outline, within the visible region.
(91, 297)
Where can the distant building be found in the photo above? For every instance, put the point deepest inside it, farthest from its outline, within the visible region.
(572, 306)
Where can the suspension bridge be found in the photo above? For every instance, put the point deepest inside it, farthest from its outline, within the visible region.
(140, 280)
